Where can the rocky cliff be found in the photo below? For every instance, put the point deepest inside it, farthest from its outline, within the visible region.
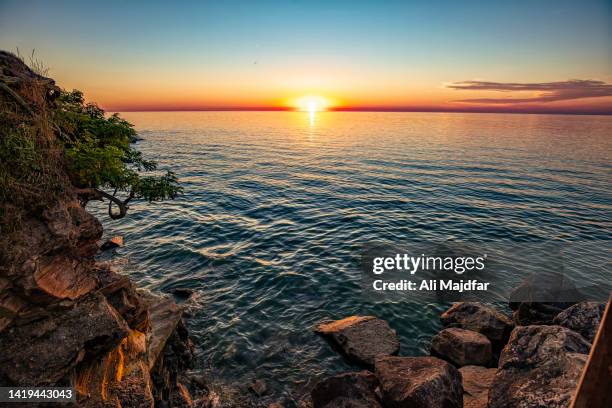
(66, 319)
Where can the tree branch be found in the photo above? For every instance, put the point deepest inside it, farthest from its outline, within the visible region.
(87, 194)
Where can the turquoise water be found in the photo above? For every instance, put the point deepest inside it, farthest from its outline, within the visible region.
(277, 206)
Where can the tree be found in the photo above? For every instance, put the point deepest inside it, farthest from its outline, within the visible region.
(101, 157)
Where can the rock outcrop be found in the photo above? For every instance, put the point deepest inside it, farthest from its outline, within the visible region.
(419, 382)
(348, 390)
(66, 319)
(583, 317)
(479, 318)
(44, 351)
(476, 383)
(462, 347)
(539, 367)
(361, 338)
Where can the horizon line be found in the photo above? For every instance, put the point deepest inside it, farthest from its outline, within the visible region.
(541, 111)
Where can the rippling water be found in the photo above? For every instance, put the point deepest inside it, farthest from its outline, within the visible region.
(277, 206)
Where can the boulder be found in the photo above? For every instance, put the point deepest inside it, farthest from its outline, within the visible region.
(537, 313)
(476, 383)
(462, 347)
(348, 390)
(114, 242)
(539, 367)
(583, 317)
(361, 338)
(418, 382)
(541, 296)
(479, 318)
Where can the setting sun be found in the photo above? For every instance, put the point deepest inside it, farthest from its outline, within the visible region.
(312, 103)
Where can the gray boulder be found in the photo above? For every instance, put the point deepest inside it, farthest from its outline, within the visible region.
(361, 338)
(462, 347)
(418, 382)
(539, 367)
(583, 317)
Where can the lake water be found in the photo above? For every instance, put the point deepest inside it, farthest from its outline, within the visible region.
(277, 206)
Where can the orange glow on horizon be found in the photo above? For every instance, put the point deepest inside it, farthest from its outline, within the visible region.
(312, 103)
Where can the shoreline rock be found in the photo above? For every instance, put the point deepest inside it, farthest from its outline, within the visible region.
(419, 382)
(361, 338)
(114, 242)
(356, 390)
(479, 318)
(583, 318)
(462, 347)
(476, 383)
(540, 366)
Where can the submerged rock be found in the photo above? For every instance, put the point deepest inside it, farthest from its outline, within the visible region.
(348, 390)
(539, 367)
(114, 242)
(462, 347)
(361, 338)
(419, 382)
(476, 383)
(479, 318)
(583, 317)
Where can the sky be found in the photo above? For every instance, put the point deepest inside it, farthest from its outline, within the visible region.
(523, 56)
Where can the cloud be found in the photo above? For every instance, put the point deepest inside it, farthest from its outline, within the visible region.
(548, 91)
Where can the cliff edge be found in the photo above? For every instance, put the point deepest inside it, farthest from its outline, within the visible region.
(65, 319)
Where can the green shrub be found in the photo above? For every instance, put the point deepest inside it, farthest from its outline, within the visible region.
(100, 156)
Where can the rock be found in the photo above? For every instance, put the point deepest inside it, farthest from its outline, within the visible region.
(258, 387)
(479, 318)
(44, 351)
(199, 381)
(62, 277)
(539, 367)
(462, 347)
(348, 390)
(174, 360)
(583, 317)
(120, 378)
(540, 297)
(476, 383)
(182, 293)
(361, 338)
(114, 242)
(123, 296)
(165, 316)
(537, 313)
(419, 382)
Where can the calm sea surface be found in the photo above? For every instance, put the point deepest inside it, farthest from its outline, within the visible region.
(277, 206)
